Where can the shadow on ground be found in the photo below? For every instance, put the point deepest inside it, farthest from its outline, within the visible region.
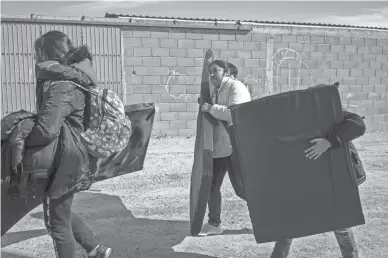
(117, 227)
(17, 237)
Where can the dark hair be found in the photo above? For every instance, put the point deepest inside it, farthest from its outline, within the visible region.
(233, 70)
(53, 45)
(221, 63)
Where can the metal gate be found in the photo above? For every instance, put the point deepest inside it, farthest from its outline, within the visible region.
(17, 58)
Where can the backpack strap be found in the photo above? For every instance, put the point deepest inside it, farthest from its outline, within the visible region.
(77, 85)
(103, 98)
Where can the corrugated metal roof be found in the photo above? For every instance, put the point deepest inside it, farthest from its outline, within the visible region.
(112, 15)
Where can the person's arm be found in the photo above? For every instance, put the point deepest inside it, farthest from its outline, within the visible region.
(239, 94)
(64, 72)
(56, 107)
(352, 127)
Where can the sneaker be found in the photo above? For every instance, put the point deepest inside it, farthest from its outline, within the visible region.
(208, 229)
(102, 252)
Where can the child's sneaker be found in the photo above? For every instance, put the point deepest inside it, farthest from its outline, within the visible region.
(208, 229)
(102, 252)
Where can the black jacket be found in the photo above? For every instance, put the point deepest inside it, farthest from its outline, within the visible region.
(352, 127)
(61, 112)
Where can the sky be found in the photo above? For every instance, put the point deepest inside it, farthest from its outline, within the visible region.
(360, 13)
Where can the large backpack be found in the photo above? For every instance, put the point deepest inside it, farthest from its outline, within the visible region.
(109, 129)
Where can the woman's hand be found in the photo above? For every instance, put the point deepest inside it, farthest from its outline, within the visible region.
(206, 107)
(320, 146)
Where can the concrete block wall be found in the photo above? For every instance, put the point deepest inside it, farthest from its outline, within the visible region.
(360, 65)
(164, 65)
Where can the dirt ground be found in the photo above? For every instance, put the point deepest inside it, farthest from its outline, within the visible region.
(146, 213)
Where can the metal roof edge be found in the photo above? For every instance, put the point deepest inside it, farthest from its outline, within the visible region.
(308, 24)
(138, 22)
(135, 21)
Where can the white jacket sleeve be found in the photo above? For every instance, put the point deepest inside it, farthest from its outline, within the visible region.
(239, 94)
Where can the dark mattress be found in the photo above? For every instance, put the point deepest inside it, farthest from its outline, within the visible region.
(289, 195)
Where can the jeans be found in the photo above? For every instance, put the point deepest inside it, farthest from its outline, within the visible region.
(64, 226)
(345, 239)
(220, 166)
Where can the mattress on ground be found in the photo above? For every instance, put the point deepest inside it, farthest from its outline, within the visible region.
(289, 195)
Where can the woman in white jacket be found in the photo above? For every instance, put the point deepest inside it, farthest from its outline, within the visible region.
(227, 91)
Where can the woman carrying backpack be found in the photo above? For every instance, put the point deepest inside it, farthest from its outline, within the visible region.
(62, 109)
